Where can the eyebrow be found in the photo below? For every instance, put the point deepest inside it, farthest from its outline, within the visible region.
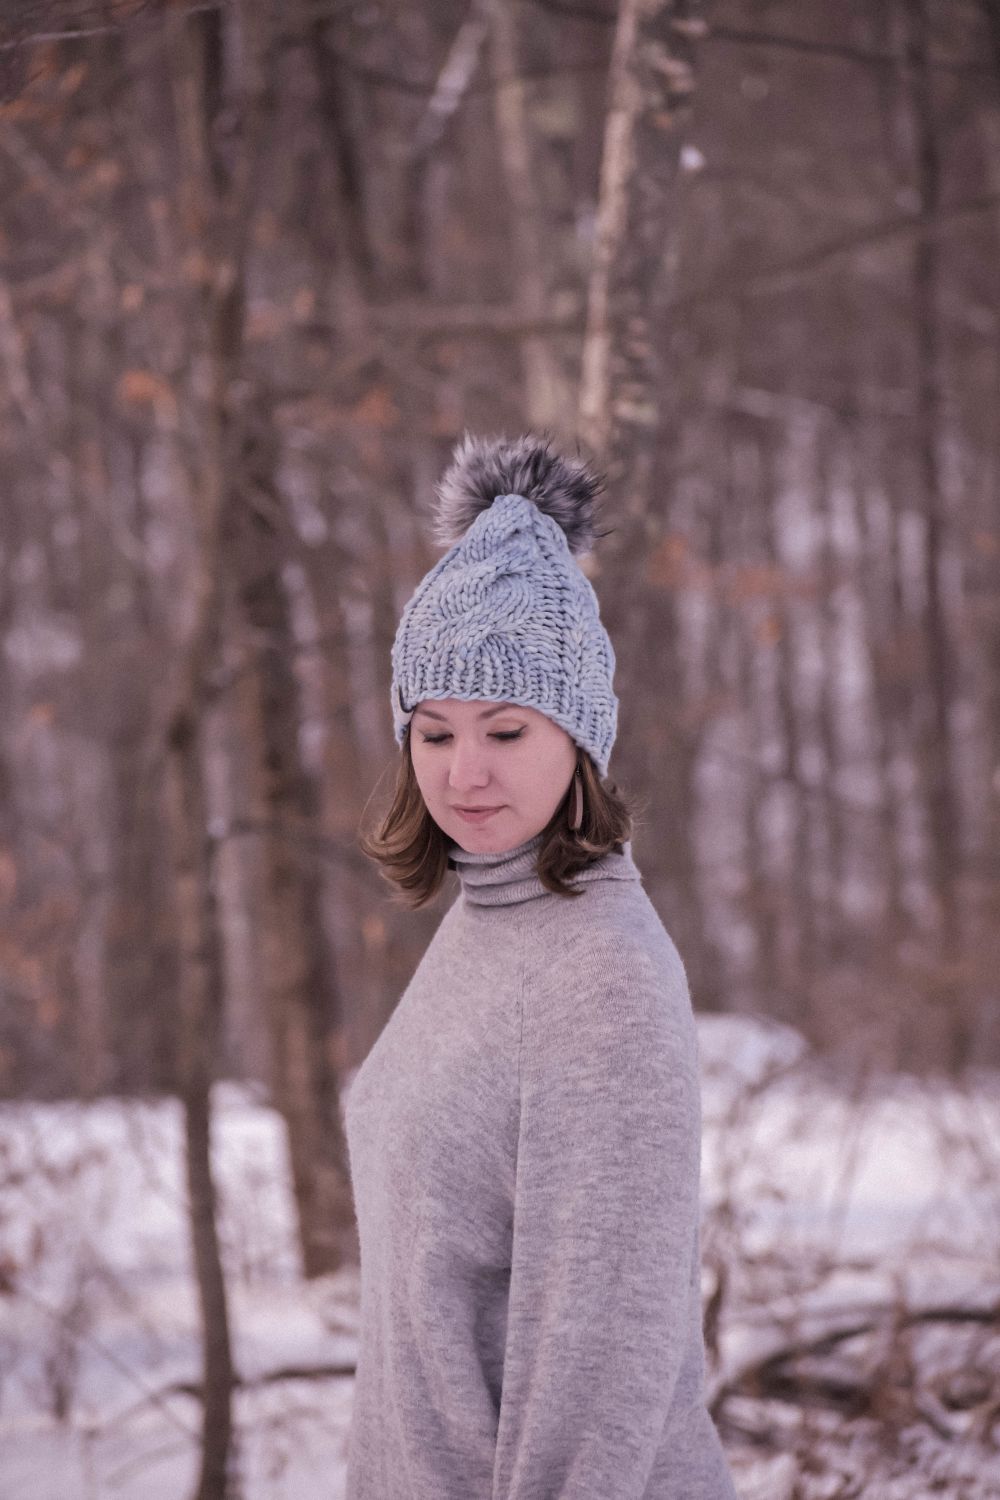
(487, 713)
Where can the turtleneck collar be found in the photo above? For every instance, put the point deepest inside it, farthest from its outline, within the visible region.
(510, 877)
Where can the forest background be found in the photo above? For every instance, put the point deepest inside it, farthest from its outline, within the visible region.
(261, 265)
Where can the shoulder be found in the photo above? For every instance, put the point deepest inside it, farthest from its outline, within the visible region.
(611, 930)
(606, 969)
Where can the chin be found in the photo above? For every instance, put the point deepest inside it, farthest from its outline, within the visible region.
(489, 838)
(481, 840)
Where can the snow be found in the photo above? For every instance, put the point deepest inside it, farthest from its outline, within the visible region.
(824, 1206)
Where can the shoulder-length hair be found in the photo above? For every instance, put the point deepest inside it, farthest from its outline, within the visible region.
(412, 852)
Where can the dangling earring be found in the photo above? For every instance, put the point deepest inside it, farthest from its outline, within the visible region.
(576, 819)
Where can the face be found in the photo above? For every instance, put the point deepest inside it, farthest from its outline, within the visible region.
(471, 756)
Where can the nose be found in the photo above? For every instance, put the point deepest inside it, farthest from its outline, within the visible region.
(468, 766)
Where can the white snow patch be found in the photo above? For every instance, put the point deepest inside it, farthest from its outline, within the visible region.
(822, 1207)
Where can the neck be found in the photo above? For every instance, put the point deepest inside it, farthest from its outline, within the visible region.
(511, 876)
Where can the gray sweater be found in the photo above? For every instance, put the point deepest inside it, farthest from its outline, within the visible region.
(524, 1147)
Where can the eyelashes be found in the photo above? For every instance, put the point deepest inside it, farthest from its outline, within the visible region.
(505, 735)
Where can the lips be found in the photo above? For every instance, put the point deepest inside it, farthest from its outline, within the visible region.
(476, 815)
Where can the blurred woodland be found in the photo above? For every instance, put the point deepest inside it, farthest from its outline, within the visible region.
(261, 264)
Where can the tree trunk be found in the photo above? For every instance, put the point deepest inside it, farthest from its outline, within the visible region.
(634, 267)
(200, 1009)
(933, 731)
(984, 589)
(546, 395)
(302, 997)
(215, 198)
(635, 255)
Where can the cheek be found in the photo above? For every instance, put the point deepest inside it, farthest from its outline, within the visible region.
(419, 769)
(428, 767)
(545, 764)
(543, 774)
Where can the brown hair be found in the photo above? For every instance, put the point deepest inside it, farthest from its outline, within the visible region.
(412, 851)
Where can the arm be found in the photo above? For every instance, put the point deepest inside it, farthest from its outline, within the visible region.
(605, 1225)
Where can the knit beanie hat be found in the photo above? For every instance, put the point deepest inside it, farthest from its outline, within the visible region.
(506, 614)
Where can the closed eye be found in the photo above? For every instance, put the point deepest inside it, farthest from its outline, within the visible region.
(504, 734)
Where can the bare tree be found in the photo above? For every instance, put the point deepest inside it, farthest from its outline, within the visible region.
(547, 399)
(212, 219)
(300, 986)
(621, 402)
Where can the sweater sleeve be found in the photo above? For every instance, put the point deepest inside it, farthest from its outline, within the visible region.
(605, 1224)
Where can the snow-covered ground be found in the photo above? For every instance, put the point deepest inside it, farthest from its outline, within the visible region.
(868, 1217)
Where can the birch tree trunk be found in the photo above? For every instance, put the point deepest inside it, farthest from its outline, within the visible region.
(650, 89)
(624, 380)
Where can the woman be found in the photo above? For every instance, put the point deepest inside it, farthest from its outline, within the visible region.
(524, 1135)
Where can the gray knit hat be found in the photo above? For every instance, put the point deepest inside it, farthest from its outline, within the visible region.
(506, 614)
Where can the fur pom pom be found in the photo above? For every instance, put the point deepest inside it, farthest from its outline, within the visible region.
(483, 468)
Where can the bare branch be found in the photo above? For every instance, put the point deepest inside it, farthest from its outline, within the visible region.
(908, 227)
(454, 79)
(836, 50)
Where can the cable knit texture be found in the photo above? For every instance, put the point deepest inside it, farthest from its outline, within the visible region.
(508, 616)
(524, 1151)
